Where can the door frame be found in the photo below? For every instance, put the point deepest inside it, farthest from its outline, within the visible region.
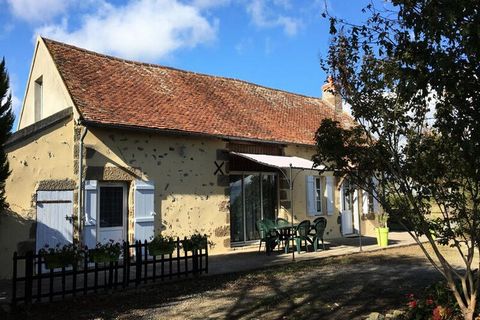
(125, 207)
(352, 214)
(277, 204)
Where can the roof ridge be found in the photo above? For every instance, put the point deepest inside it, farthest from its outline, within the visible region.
(179, 70)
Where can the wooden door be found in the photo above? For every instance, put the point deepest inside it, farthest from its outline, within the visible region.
(54, 218)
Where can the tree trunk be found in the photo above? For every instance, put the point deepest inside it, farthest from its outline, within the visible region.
(467, 314)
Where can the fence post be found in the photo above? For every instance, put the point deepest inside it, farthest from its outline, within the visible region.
(206, 258)
(146, 261)
(195, 262)
(28, 277)
(138, 262)
(126, 261)
(14, 282)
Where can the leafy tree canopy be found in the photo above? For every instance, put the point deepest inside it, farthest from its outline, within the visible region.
(411, 76)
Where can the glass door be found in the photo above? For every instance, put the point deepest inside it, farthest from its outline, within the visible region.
(347, 205)
(252, 197)
(253, 212)
(269, 196)
(112, 211)
(236, 209)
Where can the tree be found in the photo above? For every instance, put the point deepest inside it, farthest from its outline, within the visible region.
(6, 123)
(411, 74)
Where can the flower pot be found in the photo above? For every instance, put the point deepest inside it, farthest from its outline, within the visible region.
(382, 237)
(157, 250)
(190, 245)
(103, 256)
(59, 260)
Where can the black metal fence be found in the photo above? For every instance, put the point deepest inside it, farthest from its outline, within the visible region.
(135, 266)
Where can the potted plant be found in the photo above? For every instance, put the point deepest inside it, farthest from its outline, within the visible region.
(106, 252)
(382, 229)
(161, 245)
(61, 256)
(195, 242)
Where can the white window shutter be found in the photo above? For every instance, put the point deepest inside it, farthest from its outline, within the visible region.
(144, 210)
(329, 194)
(365, 202)
(91, 207)
(311, 201)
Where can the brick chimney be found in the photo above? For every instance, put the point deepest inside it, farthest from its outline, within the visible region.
(330, 96)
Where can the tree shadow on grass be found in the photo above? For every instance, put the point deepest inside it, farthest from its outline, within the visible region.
(333, 288)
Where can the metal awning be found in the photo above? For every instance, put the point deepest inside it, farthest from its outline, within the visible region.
(280, 162)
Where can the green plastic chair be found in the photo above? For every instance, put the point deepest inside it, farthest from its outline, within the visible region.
(282, 222)
(300, 233)
(319, 228)
(284, 234)
(267, 235)
(270, 224)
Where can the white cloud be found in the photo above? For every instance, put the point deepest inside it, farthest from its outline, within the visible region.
(38, 10)
(264, 17)
(16, 106)
(148, 29)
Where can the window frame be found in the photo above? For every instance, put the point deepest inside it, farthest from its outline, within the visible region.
(125, 206)
(318, 195)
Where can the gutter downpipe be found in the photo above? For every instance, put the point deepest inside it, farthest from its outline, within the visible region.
(80, 180)
(291, 206)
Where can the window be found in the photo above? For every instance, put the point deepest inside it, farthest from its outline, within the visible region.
(314, 195)
(318, 194)
(38, 98)
(111, 207)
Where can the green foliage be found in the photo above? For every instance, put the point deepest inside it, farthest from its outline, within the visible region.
(196, 242)
(411, 76)
(382, 220)
(436, 303)
(105, 252)
(6, 123)
(161, 245)
(61, 256)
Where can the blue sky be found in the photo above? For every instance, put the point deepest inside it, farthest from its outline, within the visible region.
(275, 43)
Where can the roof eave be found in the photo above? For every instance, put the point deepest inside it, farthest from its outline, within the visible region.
(172, 132)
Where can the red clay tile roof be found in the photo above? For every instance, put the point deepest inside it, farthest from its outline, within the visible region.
(112, 91)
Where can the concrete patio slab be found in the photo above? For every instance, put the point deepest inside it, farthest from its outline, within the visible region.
(248, 258)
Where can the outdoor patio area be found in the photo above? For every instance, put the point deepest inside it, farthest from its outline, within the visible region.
(249, 258)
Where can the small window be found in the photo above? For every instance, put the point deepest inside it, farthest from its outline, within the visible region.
(318, 194)
(111, 207)
(38, 99)
(314, 195)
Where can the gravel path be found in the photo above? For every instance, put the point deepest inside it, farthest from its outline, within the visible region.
(348, 287)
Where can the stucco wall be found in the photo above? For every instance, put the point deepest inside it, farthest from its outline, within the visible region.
(188, 196)
(55, 95)
(43, 161)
